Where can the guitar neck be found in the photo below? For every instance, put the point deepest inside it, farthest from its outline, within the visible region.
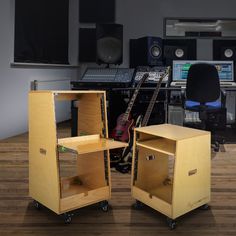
(132, 100)
(153, 100)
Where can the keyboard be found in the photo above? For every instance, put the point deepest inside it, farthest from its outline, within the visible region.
(178, 83)
(183, 84)
(154, 74)
(227, 84)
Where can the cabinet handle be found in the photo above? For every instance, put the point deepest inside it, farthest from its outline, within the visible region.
(43, 151)
(192, 172)
(150, 157)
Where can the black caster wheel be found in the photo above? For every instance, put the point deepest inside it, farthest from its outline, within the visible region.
(171, 223)
(138, 205)
(104, 206)
(67, 218)
(204, 207)
(37, 205)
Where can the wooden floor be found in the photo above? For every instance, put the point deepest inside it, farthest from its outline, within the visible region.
(19, 217)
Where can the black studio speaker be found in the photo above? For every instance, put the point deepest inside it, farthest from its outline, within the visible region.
(145, 51)
(224, 50)
(179, 49)
(109, 43)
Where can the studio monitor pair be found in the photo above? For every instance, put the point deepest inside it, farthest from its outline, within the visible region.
(224, 50)
(154, 51)
(145, 51)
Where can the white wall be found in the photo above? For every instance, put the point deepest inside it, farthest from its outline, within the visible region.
(145, 18)
(15, 82)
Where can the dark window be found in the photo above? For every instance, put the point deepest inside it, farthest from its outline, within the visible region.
(41, 31)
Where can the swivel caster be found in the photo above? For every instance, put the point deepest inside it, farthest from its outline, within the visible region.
(171, 223)
(104, 206)
(37, 205)
(204, 207)
(67, 218)
(138, 205)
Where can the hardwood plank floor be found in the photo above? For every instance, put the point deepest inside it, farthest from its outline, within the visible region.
(19, 217)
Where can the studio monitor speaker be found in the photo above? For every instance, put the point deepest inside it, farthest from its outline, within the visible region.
(179, 49)
(145, 51)
(224, 50)
(109, 43)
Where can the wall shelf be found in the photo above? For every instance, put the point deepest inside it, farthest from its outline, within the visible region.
(42, 65)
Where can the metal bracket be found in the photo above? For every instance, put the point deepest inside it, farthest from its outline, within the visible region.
(103, 116)
(135, 165)
(106, 167)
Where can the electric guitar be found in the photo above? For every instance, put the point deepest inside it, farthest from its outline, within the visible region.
(154, 98)
(127, 152)
(124, 122)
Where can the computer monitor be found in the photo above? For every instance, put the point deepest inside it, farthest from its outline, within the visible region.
(225, 69)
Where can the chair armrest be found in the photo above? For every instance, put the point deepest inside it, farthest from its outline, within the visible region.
(223, 96)
(183, 97)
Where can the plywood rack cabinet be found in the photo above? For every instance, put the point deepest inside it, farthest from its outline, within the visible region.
(46, 186)
(171, 169)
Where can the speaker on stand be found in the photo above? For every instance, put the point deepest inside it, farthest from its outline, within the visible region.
(146, 51)
(179, 49)
(109, 44)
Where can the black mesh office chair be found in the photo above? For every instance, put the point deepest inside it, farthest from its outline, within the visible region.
(203, 95)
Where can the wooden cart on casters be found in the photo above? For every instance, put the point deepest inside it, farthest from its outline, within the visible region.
(171, 169)
(92, 183)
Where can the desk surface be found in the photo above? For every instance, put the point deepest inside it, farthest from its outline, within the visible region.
(167, 88)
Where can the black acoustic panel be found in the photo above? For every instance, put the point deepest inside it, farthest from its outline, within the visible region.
(224, 50)
(41, 31)
(97, 11)
(109, 43)
(87, 45)
(179, 49)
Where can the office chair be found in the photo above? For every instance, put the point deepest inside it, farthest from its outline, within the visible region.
(203, 95)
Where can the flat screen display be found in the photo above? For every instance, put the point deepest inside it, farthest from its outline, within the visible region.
(225, 69)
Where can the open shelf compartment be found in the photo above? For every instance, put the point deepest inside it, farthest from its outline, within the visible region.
(156, 143)
(84, 179)
(73, 185)
(155, 173)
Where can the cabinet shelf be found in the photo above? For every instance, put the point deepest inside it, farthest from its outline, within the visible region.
(159, 144)
(69, 187)
(164, 192)
(88, 144)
